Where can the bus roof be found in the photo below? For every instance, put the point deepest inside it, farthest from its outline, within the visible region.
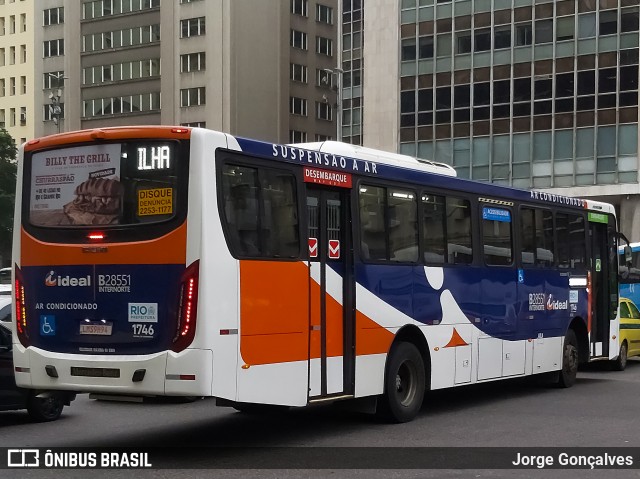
(379, 156)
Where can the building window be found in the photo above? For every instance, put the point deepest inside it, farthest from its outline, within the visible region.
(188, 1)
(299, 7)
(298, 72)
(53, 16)
(23, 85)
(47, 112)
(323, 111)
(121, 38)
(23, 115)
(53, 48)
(324, 78)
(2, 87)
(51, 80)
(296, 136)
(320, 137)
(103, 8)
(195, 124)
(192, 96)
(544, 31)
(297, 106)
(324, 46)
(609, 22)
(298, 39)
(193, 62)
(192, 27)
(23, 22)
(524, 34)
(23, 54)
(324, 14)
(121, 105)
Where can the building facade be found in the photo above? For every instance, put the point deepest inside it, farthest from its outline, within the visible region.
(537, 94)
(248, 68)
(16, 68)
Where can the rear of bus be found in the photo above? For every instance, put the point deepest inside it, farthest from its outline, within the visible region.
(105, 293)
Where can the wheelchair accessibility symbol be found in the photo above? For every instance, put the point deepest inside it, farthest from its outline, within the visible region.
(47, 325)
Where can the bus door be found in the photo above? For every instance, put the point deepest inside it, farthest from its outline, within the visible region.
(331, 359)
(604, 291)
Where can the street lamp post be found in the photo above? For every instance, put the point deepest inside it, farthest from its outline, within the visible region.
(55, 107)
(337, 72)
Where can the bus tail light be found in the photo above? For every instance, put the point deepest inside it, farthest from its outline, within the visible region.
(21, 309)
(187, 307)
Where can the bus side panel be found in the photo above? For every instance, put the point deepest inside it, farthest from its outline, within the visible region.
(274, 332)
(218, 302)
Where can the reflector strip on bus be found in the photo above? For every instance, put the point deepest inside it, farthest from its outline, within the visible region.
(579, 282)
(181, 377)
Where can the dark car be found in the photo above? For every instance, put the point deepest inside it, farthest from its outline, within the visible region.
(41, 405)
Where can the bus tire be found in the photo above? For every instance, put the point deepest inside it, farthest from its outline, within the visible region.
(569, 371)
(620, 363)
(45, 409)
(404, 384)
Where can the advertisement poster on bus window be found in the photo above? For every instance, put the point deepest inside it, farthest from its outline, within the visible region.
(76, 186)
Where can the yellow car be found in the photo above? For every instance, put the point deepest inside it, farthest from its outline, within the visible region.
(629, 333)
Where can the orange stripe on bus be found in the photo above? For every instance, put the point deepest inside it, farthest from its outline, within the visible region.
(274, 312)
(168, 249)
(371, 338)
(113, 133)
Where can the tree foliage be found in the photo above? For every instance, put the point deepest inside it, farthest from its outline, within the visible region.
(8, 169)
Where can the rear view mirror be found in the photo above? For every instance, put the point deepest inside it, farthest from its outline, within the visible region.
(628, 255)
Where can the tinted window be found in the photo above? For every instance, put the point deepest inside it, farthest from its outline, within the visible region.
(261, 212)
(571, 240)
(459, 250)
(388, 224)
(496, 234)
(104, 184)
(536, 230)
(433, 228)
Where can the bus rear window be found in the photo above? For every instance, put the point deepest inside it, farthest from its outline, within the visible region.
(103, 184)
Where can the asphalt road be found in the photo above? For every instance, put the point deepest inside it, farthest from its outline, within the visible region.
(599, 411)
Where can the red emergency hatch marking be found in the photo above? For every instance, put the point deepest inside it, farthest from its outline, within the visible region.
(313, 247)
(334, 249)
(326, 177)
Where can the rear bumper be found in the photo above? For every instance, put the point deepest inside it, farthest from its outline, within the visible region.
(188, 373)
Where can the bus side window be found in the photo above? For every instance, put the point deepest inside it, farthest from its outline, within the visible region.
(245, 210)
(280, 227)
(433, 228)
(372, 222)
(241, 208)
(459, 240)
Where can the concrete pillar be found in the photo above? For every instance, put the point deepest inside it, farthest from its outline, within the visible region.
(629, 221)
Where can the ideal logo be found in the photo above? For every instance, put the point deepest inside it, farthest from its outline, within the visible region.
(554, 304)
(52, 279)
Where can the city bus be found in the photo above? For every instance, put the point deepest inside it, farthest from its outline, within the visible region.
(187, 262)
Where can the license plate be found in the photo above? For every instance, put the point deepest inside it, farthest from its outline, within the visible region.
(99, 329)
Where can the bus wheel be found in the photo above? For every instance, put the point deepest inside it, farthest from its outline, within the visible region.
(404, 384)
(45, 408)
(621, 362)
(567, 376)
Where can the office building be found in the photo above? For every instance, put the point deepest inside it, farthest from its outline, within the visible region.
(539, 95)
(16, 68)
(249, 68)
